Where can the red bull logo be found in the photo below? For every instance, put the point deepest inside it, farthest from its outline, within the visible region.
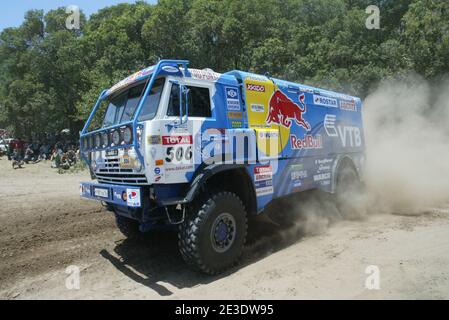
(308, 142)
(283, 110)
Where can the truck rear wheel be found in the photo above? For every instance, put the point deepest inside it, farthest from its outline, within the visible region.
(212, 236)
(349, 190)
(128, 227)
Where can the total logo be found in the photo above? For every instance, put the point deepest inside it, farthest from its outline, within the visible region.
(350, 136)
(132, 195)
(283, 110)
(174, 140)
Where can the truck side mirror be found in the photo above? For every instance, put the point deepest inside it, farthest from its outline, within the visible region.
(183, 98)
(183, 101)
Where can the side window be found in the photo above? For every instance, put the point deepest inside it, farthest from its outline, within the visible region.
(199, 102)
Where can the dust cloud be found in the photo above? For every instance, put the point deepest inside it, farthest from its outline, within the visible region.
(407, 141)
(406, 124)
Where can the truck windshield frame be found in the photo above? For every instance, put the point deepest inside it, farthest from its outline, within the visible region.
(121, 107)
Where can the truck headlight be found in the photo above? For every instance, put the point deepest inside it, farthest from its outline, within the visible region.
(128, 135)
(105, 139)
(137, 165)
(94, 165)
(116, 137)
(97, 140)
(85, 143)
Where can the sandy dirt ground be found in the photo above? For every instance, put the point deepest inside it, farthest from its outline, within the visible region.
(45, 227)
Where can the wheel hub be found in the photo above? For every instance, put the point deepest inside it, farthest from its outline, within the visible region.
(223, 232)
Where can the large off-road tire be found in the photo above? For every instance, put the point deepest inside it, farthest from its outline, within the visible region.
(212, 237)
(128, 227)
(349, 193)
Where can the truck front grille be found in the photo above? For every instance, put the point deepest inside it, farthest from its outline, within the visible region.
(113, 174)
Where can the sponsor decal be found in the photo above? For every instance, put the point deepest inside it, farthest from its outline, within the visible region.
(257, 107)
(324, 101)
(157, 170)
(154, 139)
(263, 184)
(157, 178)
(322, 176)
(232, 99)
(309, 142)
(231, 93)
(263, 169)
(323, 161)
(350, 136)
(174, 140)
(268, 134)
(204, 74)
(236, 124)
(264, 191)
(329, 125)
(349, 105)
(134, 77)
(235, 115)
(324, 168)
(133, 197)
(263, 180)
(112, 153)
(255, 87)
(117, 196)
(170, 69)
(263, 173)
(189, 167)
(256, 77)
(233, 105)
(297, 184)
(306, 89)
(126, 162)
(298, 166)
(282, 110)
(295, 175)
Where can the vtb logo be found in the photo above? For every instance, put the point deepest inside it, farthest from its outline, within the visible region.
(282, 110)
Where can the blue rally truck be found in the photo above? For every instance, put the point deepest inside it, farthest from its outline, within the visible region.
(202, 151)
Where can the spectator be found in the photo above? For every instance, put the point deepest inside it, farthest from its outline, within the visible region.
(57, 155)
(44, 151)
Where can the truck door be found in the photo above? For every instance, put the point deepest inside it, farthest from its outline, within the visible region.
(258, 93)
(182, 140)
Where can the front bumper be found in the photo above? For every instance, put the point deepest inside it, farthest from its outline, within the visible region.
(129, 196)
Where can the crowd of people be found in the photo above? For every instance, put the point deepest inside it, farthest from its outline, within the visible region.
(62, 154)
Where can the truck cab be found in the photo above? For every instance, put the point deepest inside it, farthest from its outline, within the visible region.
(172, 146)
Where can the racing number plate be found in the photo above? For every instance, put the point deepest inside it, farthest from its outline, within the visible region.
(102, 193)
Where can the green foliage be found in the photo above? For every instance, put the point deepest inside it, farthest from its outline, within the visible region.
(50, 77)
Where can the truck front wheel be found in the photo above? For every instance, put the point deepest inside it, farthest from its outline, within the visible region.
(212, 236)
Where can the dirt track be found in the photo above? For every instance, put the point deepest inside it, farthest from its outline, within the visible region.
(45, 227)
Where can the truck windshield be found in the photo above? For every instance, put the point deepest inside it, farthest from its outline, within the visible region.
(120, 108)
